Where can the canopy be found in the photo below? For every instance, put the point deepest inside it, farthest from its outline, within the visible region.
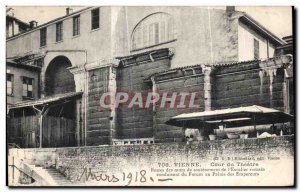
(233, 117)
(47, 100)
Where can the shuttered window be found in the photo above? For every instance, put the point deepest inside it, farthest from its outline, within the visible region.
(43, 37)
(59, 31)
(76, 25)
(95, 18)
(28, 87)
(9, 84)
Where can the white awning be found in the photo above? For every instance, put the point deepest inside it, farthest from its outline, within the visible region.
(239, 116)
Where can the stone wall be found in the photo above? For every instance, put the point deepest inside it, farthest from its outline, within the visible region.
(220, 86)
(131, 158)
(137, 122)
(245, 84)
(177, 82)
(98, 118)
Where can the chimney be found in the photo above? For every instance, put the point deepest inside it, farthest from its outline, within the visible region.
(10, 12)
(33, 24)
(69, 11)
(230, 10)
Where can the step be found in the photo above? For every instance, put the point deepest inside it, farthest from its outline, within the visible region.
(52, 170)
(55, 174)
(59, 178)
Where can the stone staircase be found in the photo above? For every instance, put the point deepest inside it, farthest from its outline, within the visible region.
(42, 175)
(57, 177)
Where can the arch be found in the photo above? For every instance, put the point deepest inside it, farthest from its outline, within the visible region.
(154, 29)
(58, 79)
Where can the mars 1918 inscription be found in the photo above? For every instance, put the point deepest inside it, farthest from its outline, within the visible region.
(150, 96)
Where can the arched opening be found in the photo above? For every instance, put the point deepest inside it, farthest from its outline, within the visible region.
(58, 79)
(59, 125)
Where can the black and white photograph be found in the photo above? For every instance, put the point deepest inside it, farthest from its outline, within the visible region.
(150, 96)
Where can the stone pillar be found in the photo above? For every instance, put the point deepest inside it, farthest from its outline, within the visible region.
(288, 76)
(271, 73)
(111, 66)
(207, 86)
(112, 88)
(270, 67)
(154, 90)
(79, 78)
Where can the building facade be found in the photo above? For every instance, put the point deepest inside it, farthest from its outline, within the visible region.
(101, 50)
(15, 26)
(22, 82)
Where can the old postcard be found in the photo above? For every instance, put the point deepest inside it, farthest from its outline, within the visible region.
(150, 96)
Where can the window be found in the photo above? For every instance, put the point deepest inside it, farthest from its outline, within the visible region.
(59, 31)
(95, 18)
(256, 49)
(9, 84)
(76, 25)
(27, 87)
(155, 29)
(43, 37)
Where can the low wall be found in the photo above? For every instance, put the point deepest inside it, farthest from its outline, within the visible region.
(197, 163)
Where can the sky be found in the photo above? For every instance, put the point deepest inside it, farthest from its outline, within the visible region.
(277, 19)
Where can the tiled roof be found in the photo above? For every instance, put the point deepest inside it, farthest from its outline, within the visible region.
(205, 64)
(217, 65)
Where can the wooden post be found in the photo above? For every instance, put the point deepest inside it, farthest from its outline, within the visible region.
(41, 129)
(255, 125)
(182, 123)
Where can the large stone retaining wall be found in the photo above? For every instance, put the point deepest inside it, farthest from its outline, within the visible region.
(118, 160)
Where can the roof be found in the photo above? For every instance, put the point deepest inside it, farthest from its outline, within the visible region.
(11, 61)
(18, 20)
(139, 54)
(240, 116)
(49, 22)
(20, 56)
(262, 29)
(288, 39)
(24, 66)
(217, 65)
(46, 100)
(26, 61)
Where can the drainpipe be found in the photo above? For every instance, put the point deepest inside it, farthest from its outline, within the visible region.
(85, 101)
